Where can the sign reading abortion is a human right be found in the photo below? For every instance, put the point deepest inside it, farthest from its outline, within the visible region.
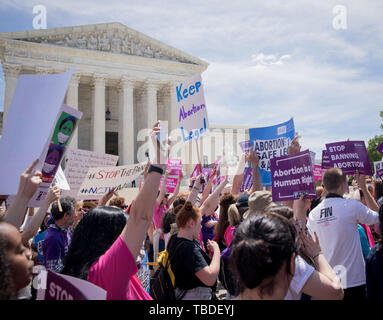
(292, 175)
(349, 156)
(271, 142)
(191, 109)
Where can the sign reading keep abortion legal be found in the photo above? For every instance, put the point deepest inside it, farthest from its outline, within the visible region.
(349, 156)
(191, 109)
(291, 176)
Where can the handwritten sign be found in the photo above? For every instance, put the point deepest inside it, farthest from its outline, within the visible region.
(292, 175)
(100, 181)
(191, 109)
(77, 164)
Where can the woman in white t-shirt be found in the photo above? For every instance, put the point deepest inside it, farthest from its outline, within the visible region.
(321, 282)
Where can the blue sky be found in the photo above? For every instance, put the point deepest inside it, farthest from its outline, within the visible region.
(269, 60)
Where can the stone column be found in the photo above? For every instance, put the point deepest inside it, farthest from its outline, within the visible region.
(11, 74)
(98, 115)
(125, 122)
(151, 103)
(171, 105)
(72, 101)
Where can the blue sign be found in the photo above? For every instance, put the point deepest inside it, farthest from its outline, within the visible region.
(271, 142)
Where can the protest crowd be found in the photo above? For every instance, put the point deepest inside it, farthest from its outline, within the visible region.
(254, 247)
(281, 236)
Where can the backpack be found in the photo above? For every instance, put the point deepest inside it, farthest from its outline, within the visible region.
(162, 283)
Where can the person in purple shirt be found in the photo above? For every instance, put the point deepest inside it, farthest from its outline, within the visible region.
(57, 239)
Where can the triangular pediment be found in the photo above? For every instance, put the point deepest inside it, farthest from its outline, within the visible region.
(108, 37)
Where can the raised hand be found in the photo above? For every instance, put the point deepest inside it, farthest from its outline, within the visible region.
(29, 181)
(53, 195)
(294, 146)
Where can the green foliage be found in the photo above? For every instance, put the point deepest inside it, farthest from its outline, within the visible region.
(373, 154)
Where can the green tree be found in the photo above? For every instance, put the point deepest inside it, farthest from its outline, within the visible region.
(373, 143)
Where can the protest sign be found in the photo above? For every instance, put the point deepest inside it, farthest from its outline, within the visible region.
(245, 145)
(378, 165)
(379, 173)
(349, 156)
(77, 164)
(247, 179)
(100, 181)
(176, 170)
(271, 142)
(63, 130)
(191, 109)
(291, 176)
(54, 286)
(318, 172)
(29, 125)
(312, 154)
(326, 163)
(380, 148)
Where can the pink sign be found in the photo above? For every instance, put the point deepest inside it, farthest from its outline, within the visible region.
(318, 172)
(176, 170)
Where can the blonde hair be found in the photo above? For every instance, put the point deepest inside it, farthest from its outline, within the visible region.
(234, 216)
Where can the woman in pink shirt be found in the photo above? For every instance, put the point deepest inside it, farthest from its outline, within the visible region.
(106, 242)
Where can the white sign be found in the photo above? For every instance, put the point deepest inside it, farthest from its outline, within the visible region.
(100, 181)
(191, 109)
(32, 114)
(60, 180)
(77, 164)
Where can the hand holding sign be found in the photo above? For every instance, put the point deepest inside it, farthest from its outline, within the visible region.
(53, 195)
(294, 146)
(108, 196)
(29, 181)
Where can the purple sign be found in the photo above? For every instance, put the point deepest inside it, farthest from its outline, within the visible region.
(326, 163)
(291, 176)
(380, 148)
(349, 156)
(207, 173)
(247, 180)
(245, 146)
(379, 173)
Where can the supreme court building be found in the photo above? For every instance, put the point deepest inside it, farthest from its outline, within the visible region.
(122, 82)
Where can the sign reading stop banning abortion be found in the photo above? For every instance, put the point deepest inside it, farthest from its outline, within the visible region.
(349, 156)
(191, 109)
(291, 176)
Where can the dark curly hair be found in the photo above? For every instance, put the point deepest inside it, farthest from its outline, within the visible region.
(261, 245)
(93, 236)
(167, 220)
(225, 201)
(6, 283)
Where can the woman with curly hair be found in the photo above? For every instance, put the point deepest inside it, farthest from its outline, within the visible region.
(223, 224)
